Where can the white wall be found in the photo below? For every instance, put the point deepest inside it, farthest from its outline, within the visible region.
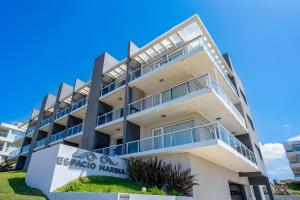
(47, 173)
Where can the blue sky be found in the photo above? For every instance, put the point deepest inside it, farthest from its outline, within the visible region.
(43, 43)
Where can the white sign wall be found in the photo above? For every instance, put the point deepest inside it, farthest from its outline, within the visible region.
(55, 166)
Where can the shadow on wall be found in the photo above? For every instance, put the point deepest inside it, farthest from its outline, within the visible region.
(19, 186)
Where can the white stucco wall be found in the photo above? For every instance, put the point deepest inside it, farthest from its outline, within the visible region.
(47, 171)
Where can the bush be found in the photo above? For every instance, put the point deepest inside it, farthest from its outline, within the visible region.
(175, 193)
(293, 186)
(157, 191)
(74, 187)
(162, 175)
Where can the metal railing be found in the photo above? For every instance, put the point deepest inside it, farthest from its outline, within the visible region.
(112, 86)
(25, 149)
(170, 94)
(58, 136)
(110, 116)
(2, 134)
(115, 150)
(71, 108)
(63, 112)
(15, 153)
(40, 143)
(30, 130)
(177, 91)
(166, 58)
(189, 136)
(74, 130)
(46, 121)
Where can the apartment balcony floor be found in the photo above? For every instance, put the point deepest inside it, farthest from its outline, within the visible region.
(215, 151)
(205, 101)
(196, 62)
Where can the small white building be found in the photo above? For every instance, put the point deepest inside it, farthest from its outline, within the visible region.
(11, 138)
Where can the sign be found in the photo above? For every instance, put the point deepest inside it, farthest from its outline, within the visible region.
(53, 167)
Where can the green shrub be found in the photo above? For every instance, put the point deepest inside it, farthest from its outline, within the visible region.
(106, 190)
(293, 186)
(162, 175)
(156, 191)
(175, 193)
(73, 187)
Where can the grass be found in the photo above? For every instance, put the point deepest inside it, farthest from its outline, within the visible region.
(103, 184)
(13, 187)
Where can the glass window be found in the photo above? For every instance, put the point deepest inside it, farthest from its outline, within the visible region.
(297, 147)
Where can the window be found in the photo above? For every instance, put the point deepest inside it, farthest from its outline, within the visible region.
(244, 97)
(251, 123)
(296, 147)
(259, 152)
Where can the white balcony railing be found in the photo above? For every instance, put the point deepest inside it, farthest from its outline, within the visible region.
(180, 90)
(40, 143)
(182, 137)
(168, 57)
(58, 136)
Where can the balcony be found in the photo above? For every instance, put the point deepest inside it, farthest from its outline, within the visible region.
(3, 135)
(25, 149)
(40, 144)
(200, 94)
(113, 118)
(77, 109)
(55, 138)
(211, 142)
(30, 131)
(74, 133)
(14, 153)
(44, 126)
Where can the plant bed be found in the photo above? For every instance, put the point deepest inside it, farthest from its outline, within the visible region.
(103, 184)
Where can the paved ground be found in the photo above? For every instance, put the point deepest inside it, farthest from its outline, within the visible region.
(280, 197)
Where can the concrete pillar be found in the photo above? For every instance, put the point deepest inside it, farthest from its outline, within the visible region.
(63, 91)
(102, 63)
(47, 101)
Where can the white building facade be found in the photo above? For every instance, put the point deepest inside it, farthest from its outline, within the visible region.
(177, 98)
(11, 139)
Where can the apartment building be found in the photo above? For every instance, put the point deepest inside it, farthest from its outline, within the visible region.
(177, 98)
(11, 139)
(292, 149)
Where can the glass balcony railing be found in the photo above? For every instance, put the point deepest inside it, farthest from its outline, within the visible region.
(71, 108)
(30, 130)
(2, 134)
(110, 116)
(170, 94)
(166, 58)
(40, 143)
(79, 104)
(46, 121)
(111, 151)
(15, 153)
(58, 136)
(189, 136)
(25, 149)
(63, 112)
(112, 86)
(74, 130)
